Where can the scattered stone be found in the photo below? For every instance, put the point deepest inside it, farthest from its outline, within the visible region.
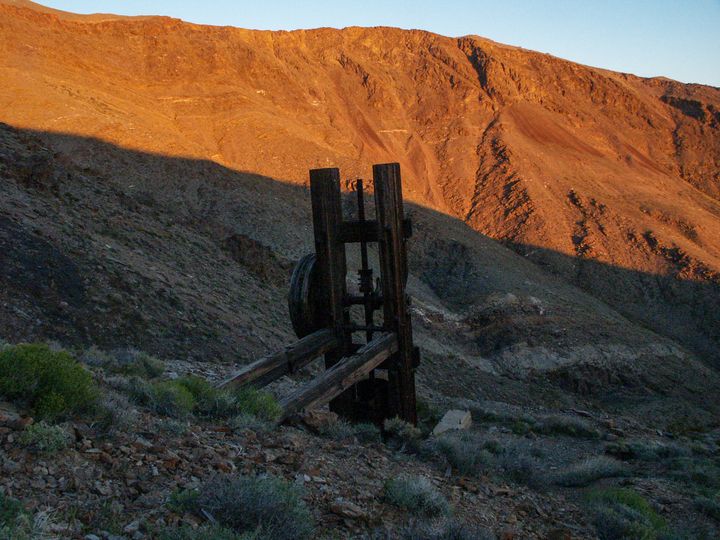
(132, 527)
(559, 534)
(347, 509)
(318, 420)
(9, 466)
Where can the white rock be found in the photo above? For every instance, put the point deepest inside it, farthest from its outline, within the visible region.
(453, 420)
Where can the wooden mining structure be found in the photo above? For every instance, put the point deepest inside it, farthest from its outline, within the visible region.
(369, 366)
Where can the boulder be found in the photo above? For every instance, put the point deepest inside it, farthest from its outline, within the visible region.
(453, 420)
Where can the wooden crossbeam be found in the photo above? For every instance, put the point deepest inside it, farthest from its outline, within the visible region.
(358, 231)
(341, 376)
(290, 359)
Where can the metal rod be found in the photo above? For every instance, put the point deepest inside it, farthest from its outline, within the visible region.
(365, 272)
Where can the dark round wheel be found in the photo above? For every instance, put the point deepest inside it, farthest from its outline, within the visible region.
(306, 314)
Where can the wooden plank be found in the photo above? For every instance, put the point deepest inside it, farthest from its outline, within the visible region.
(330, 251)
(353, 231)
(341, 376)
(393, 264)
(289, 360)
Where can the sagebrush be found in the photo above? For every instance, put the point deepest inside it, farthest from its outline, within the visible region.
(52, 383)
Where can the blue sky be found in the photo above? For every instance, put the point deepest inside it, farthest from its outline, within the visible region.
(674, 38)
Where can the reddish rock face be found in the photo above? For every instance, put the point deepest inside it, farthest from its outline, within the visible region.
(522, 146)
(552, 157)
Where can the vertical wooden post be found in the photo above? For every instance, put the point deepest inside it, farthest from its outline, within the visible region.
(393, 264)
(330, 252)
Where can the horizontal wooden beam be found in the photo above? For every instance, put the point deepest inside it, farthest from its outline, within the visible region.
(341, 376)
(359, 231)
(272, 367)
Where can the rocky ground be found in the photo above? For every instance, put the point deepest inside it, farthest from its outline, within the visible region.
(519, 472)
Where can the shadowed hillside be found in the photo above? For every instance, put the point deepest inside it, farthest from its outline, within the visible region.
(186, 259)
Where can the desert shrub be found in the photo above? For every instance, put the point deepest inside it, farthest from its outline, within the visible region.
(447, 529)
(622, 514)
(177, 398)
(589, 470)
(366, 432)
(96, 357)
(417, 495)
(469, 454)
(518, 463)
(183, 500)
(172, 426)
(688, 422)
(493, 446)
(402, 435)
(700, 449)
(210, 532)
(124, 361)
(108, 517)
(428, 416)
(566, 425)
(709, 506)
(519, 427)
(42, 437)
(137, 363)
(115, 414)
(645, 450)
(464, 452)
(16, 523)
(258, 403)
(11, 510)
(696, 471)
(165, 397)
(342, 429)
(338, 430)
(268, 506)
(485, 413)
(209, 401)
(218, 403)
(52, 383)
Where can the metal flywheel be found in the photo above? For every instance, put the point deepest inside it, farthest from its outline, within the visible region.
(306, 313)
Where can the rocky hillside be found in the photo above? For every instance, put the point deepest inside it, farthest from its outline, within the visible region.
(607, 179)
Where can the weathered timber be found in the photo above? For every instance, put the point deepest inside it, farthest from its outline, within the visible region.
(289, 360)
(332, 267)
(393, 268)
(343, 375)
(367, 231)
(329, 249)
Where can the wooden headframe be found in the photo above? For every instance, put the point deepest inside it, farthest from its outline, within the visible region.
(372, 380)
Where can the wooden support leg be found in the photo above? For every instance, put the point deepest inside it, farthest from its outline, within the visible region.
(393, 267)
(270, 368)
(330, 252)
(343, 375)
